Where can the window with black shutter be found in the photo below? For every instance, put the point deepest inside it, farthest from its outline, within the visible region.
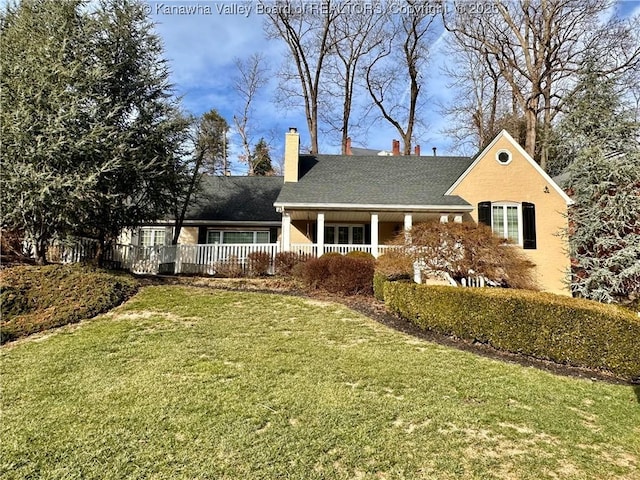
(529, 225)
(273, 234)
(511, 220)
(202, 235)
(484, 213)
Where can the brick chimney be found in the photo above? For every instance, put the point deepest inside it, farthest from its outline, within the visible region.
(291, 155)
(417, 150)
(347, 147)
(395, 148)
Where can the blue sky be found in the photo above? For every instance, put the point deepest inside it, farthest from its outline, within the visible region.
(201, 48)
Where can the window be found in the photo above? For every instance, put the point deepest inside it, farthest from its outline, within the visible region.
(152, 236)
(232, 236)
(504, 222)
(503, 157)
(213, 236)
(344, 234)
(515, 221)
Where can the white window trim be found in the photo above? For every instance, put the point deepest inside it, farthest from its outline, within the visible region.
(350, 226)
(504, 151)
(153, 231)
(520, 241)
(222, 233)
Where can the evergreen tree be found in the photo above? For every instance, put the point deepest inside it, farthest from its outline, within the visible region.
(604, 179)
(212, 141)
(48, 126)
(261, 159)
(594, 115)
(90, 135)
(147, 129)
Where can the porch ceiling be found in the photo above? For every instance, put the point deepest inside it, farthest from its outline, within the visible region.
(340, 216)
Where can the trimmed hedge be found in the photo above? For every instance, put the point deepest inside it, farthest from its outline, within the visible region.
(565, 330)
(379, 280)
(39, 298)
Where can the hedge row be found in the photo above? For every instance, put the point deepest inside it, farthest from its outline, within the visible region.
(35, 299)
(561, 329)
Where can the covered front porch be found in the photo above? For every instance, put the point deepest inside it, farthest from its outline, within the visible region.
(315, 232)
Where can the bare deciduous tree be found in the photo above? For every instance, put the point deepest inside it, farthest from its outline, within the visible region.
(395, 69)
(251, 77)
(481, 97)
(353, 37)
(539, 46)
(305, 29)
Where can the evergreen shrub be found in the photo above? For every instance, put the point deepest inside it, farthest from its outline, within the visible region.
(564, 330)
(39, 298)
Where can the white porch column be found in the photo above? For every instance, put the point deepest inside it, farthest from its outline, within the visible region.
(286, 232)
(374, 235)
(320, 233)
(408, 223)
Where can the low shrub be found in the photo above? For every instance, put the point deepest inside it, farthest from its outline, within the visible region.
(259, 263)
(285, 262)
(561, 329)
(337, 274)
(395, 265)
(39, 298)
(466, 249)
(378, 285)
(362, 255)
(229, 268)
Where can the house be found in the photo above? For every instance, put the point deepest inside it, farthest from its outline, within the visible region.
(360, 202)
(340, 203)
(228, 210)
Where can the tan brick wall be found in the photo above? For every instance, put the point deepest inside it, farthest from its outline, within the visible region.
(520, 182)
(298, 232)
(188, 236)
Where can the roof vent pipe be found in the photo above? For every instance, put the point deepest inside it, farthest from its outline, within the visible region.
(434, 151)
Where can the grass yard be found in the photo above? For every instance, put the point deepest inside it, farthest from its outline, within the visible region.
(190, 383)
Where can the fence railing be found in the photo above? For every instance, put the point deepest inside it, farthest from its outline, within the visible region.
(204, 259)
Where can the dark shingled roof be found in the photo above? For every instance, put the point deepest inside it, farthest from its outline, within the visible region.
(375, 180)
(237, 199)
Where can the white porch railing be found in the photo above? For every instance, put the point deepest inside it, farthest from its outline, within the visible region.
(206, 259)
(312, 248)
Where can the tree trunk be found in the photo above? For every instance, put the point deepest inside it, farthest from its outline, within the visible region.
(100, 251)
(531, 119)
(41, 251)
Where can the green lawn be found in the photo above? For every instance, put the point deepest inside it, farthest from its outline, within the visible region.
(194, 383)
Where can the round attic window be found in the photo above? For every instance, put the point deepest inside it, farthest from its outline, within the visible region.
(503, 157)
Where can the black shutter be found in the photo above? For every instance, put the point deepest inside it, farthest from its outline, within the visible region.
(202, 235)
(484, 213)
(529, 225)
(367, 234)
(273, 235)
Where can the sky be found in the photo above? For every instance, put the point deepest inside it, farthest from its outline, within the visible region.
(203, 38)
